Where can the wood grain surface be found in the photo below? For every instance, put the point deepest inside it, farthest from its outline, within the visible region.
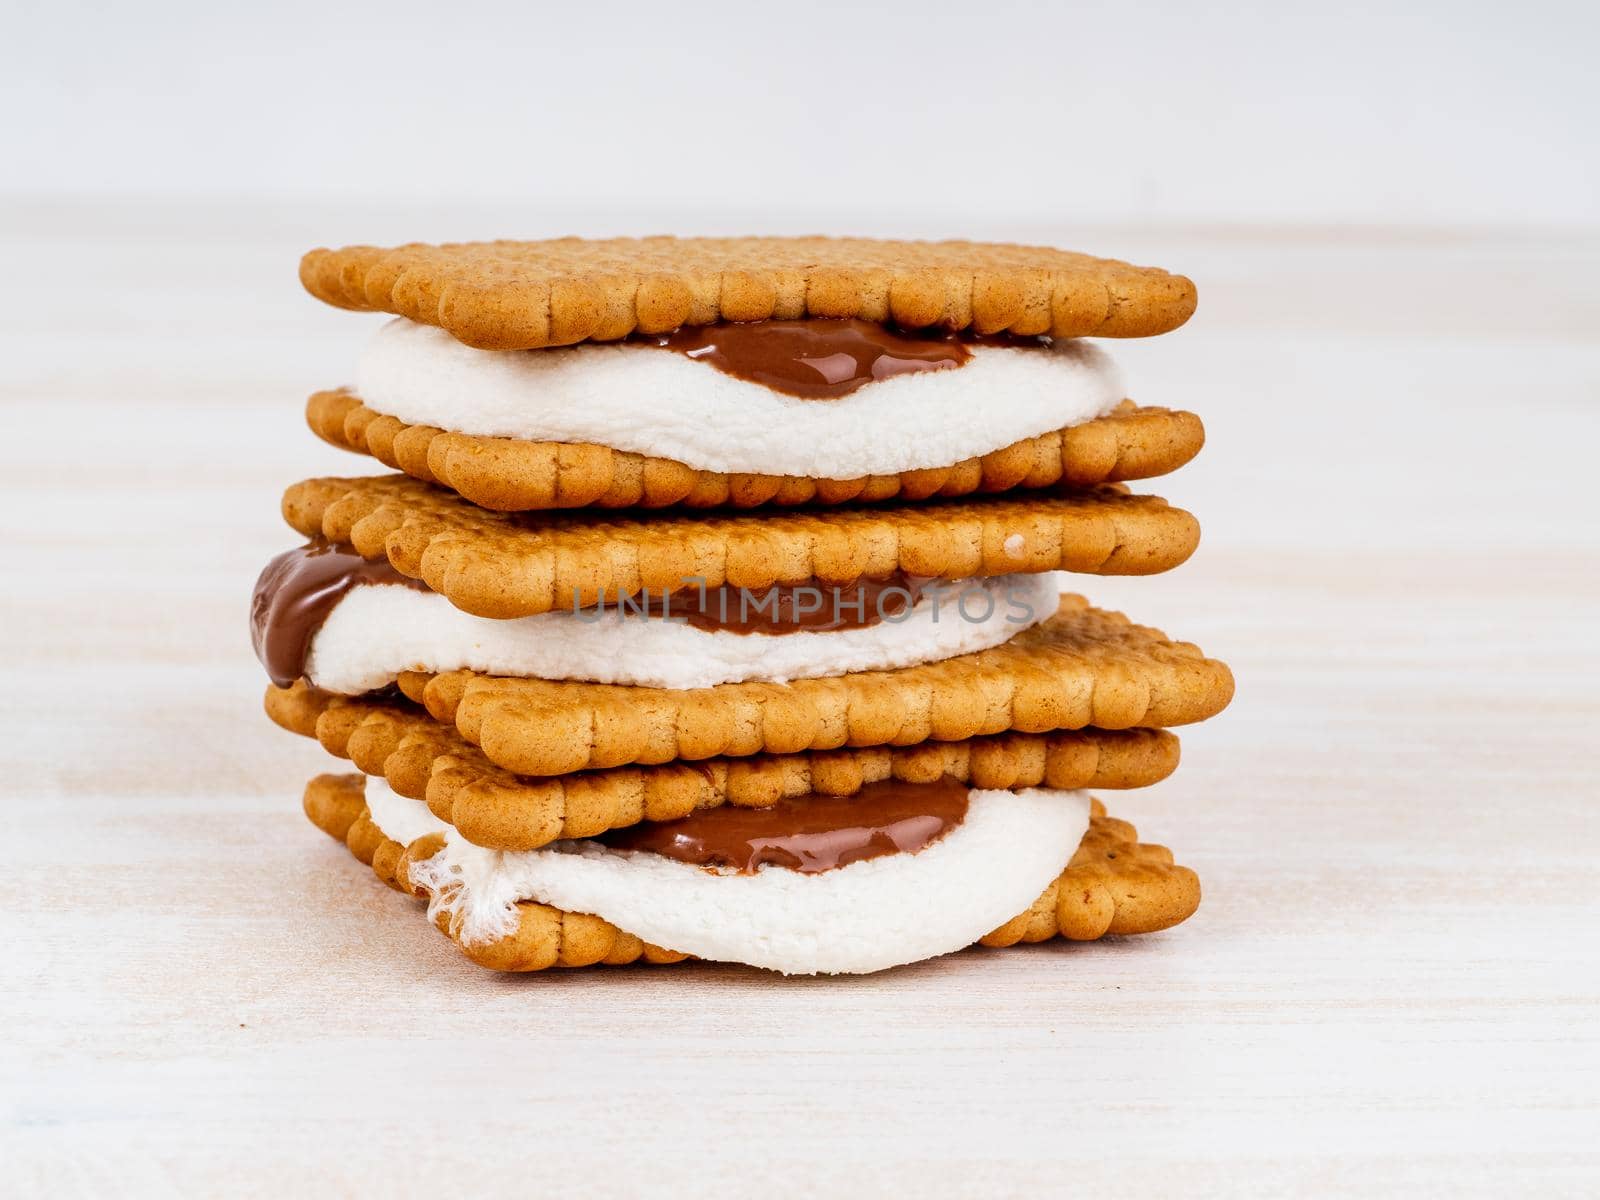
(1393, 982)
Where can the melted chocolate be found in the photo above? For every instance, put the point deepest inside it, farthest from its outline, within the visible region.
(294, 595)
(806, 833)
(785, 608)
(822, 359)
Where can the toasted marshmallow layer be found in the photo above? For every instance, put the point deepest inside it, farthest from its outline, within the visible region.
(872, 914)
(378, 630)
(660, 403)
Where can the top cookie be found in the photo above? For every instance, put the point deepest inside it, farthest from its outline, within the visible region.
(523, 295)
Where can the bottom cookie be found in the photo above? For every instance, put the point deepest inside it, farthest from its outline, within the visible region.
(525, 911)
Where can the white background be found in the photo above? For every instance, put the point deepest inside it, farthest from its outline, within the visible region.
(1392, 984)
(952, 118)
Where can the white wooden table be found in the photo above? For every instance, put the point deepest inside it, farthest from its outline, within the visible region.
(1392, 981)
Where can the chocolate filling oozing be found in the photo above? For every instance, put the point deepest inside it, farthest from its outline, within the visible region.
(822, 359)
(294, 594)
(810, 833)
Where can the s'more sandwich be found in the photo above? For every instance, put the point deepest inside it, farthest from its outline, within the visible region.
(714, 610)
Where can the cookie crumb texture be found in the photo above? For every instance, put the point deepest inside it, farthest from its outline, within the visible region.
(509, 475)
(1082, 668)
(510, 295)
(504, 565)
(426, 760)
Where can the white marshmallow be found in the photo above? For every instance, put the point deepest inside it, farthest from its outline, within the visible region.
(663, 404)
(866, 916)
(400, 818)
(379, 630)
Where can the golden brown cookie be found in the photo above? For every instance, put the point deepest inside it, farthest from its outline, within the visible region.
(520, 564)
(1081, 668)
(426, 760)
(511, 295)
(1114, 884)
(510, 475)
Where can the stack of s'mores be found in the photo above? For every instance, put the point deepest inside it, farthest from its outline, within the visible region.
(713, 609)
